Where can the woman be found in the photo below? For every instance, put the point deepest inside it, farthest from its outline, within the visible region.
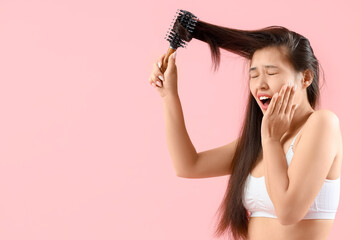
(285, 165)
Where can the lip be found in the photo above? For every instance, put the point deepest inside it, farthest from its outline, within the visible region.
(260, 95)
(263, 94)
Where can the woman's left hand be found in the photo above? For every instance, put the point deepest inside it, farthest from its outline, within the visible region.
(278, 116)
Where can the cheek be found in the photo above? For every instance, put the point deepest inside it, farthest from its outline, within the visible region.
(252, 92)
(282, 84)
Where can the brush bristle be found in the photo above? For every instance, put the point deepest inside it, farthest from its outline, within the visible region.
(181, 30)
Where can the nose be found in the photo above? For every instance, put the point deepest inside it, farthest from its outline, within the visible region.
(262, 81)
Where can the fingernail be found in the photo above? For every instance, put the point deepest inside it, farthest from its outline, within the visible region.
(296, 105)
(159, 84)
(153, 84)
(295, 87)
(174, 54)
(159, 65)
(161, 77)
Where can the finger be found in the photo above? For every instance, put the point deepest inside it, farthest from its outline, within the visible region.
(271, 106)
(286, 103)
(294, 107)
(279, 101)
(157, 72)
(283, 102)
(171, 62)
(160, 61)
(153, 84)
(151, 81)
(291, 99)
(156, 81)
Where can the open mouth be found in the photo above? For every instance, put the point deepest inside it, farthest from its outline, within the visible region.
(266, 102)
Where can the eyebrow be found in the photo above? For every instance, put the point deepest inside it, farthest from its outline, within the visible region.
(266, 66)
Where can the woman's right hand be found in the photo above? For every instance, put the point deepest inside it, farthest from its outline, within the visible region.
(168, 85)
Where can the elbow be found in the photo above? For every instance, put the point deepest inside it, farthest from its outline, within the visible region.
(289, 215)
(289, 218)
(185, 173)
(286, 221)
(179, 174)
(188, 175)
(290, 211)
(182, 174)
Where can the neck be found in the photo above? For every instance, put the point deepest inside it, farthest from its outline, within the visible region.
(302, 113)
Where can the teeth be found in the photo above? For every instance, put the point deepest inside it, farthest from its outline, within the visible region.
(263, 97)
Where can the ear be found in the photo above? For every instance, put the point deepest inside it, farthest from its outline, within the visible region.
(307, 78)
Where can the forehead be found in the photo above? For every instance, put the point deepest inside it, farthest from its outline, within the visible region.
(268, 56)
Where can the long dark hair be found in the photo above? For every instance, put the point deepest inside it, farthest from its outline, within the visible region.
(234, 215)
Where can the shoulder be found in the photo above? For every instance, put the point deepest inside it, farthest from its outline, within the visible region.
(323, 124)
(324, 115)
(323, 119)
(320, 121)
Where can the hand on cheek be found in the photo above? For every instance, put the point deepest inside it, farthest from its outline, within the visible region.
(279, 114)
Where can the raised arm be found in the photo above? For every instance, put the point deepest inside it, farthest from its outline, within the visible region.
(187, 162)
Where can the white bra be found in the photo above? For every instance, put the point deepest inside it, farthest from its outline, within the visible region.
(257, 201)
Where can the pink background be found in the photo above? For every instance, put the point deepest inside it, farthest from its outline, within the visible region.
(83, 152)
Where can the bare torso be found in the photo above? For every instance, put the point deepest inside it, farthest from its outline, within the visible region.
(262, 228)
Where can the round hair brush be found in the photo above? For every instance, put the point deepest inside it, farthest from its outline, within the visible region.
(180, 33)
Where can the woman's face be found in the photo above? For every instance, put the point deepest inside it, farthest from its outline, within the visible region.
(269, 71)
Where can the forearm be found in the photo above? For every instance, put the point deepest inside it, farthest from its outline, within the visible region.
(181, 149)
(276, 171)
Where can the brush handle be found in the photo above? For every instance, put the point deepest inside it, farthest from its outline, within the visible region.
(165, 60)
(180, 33)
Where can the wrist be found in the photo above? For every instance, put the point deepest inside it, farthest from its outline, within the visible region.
(270, 140)
(170, 96)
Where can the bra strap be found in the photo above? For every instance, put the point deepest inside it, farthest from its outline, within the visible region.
(295, 137)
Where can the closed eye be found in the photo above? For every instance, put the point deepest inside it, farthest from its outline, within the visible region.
(268, 74)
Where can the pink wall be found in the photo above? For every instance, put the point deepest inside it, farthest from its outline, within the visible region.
(83, 152)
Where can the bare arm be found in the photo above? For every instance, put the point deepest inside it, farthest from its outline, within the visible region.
(187, 162)
(214, 162)
(180, 147)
